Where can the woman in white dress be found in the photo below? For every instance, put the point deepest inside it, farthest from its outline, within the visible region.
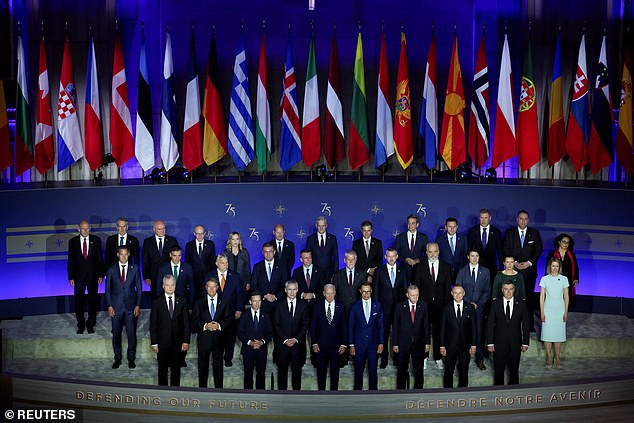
(553, 305)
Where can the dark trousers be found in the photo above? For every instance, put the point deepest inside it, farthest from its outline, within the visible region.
(362, 355)
(479, 341)
(169, 358)
(206, 349)
(80, 289)
(435, 316)
(417, 355)
(255, 359)
(385, 355)
(230, 340)
(124, 318)
(502, 357)
(328, 359)
(532, 298)
(455, 359)
(290, 357)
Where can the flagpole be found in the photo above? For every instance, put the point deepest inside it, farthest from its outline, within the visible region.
(503, 172)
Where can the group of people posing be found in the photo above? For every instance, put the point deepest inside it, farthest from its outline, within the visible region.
(429, 303)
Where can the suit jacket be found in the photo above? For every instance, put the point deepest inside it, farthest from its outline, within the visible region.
(233, 292)
(374, 258)
(402, 247)
(317, 281)
(362, 334)
(457, 335)
(435, 294)
(531, 251)
(389, 297)
(112, 243)
(502, 332)
(184, 283)
(410, 335)
(478, 292)
(152, 260)
(340, 280)
(331, 336)
(260, 282)
(123, 297)
(490, 257)
(200, 263)
(327, 257)
(286, 326)
(247, 330)
(458, 258)
(200, 315)
(287, 260)
(243, 268)
(169, 332)
(90, 269)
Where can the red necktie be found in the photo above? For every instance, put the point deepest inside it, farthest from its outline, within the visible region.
(411, 244)
(413, 312)
(307, 279)
(433, 273)
(123, 274)
(84, 249)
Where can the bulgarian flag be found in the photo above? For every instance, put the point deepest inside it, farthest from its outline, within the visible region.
(23, 134)
(311, 131)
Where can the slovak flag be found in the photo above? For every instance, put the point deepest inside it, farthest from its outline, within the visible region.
(578, 131)
(69, 148)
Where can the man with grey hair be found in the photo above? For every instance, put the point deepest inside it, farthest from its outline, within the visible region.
(323, 246)
(348, 280)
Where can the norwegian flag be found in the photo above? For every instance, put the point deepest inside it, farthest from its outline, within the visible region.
(69, 148)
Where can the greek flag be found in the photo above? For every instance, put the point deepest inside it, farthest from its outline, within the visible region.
(241, 145)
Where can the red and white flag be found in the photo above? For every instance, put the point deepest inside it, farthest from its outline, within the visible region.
(92, 113)
(44, 153)
(120, 120)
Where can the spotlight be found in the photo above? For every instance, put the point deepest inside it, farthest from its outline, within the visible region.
(98, 176)
(108, 158)
(464, 173)
(322, 172)
(490, 175)
(156, 176)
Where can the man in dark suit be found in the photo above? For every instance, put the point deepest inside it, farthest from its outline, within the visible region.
(85, 271)
(268, 278)
(310, 279)
(411, 338)
(433, 277)
(390, 287)
(348, 280)
(476, 282)
(324, 247)
(457, 343)
(169, 331)
(453, 247)
(525, 244)
(155, 253)
(366, 336)
(284, 250)
(487, 239)
(183, 274)
(123, 300)
(369, 250)
(290, 322)
(410, 246)
(507, 334)
(329, 335)
(255, 332)
(122, 237)
(210, 316)
(200, 254)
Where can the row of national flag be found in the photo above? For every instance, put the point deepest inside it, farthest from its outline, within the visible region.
(586, 139)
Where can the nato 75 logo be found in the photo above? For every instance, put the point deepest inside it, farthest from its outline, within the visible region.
(254, 234)
(421, 209)
(325, 209)
(349, 233)
(231, 209)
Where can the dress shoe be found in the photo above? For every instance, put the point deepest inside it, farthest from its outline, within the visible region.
(80, 331)
(383, 365)
(228, 363)
(91, 329)
(116, 364)
(183, 363)
(131, 364)
(481, 365)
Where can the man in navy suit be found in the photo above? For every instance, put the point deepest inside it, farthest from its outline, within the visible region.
(476, 281)
(284, 250)
(410, 245)
(255, 332)
(369, 250)
(122, 237)
(324, 247)
(453, 247)
(123, 300)
(85, 271)
(155, 253)
(457, 343)
(487, 239)
(169, 331)
(411, 338)
(390, 287)
(366, 336)
(310, 279)
(210, 316)
(507, 334)
(200, 254)
(290, 322)
(329, 335)
(268, 278)
(182, 272)
(348, 280)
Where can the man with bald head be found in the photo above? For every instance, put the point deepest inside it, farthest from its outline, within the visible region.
(156, 253)
(284, 249)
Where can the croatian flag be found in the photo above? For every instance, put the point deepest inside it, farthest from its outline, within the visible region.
(69, 148)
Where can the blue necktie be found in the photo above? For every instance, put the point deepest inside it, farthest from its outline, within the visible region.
(255, 320)
(367, 311)
(522, 238)
(484, 237)
(212, 309)
(392, 276)
(453, 248)
(121, 241)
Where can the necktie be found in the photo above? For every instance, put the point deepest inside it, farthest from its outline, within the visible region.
(392, 276)
(307, 279)
(484, 237)
(121, 241)
(367, 247)
(322, 243)
(175, 271)
(160, 246)
(292, 310)
(451, 244)
(200, 249)
(123, 274)
(279, 247)
(170, 306)
(84, 249)
(413, 312)
(433, 273)
(473, 275)
(212, 309)
(412, 241)
(222, 282)
(268, 270)
(366, 306)
(522, 238)
(458, 314)
(329, 314)
(350, 278)
(255, 320)
(508, 309)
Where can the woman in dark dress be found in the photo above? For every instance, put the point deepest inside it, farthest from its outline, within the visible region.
(239, 261)
(569, 266)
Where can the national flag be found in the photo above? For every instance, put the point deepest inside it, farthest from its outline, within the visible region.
(556, 124)
(69, 147)
(384, 143)
(600, 144)
(453, 147)
(290, 142)
(311, 130)
(215, 132)
(92, 112)
(192, 140)
(169, 148)
(120, 121)
(23, 132)
(624, 131)
(359, 147)
(6, 156)
(240, 120)
(44, 154)
(504, 145)
(334, 147)
(479, 124)
(144, 146)
(527, 129)
(403, 143)
(263, 113)
(429, 109)
(578, 131)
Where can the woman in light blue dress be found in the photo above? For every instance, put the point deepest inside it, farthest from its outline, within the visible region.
(553, 305)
